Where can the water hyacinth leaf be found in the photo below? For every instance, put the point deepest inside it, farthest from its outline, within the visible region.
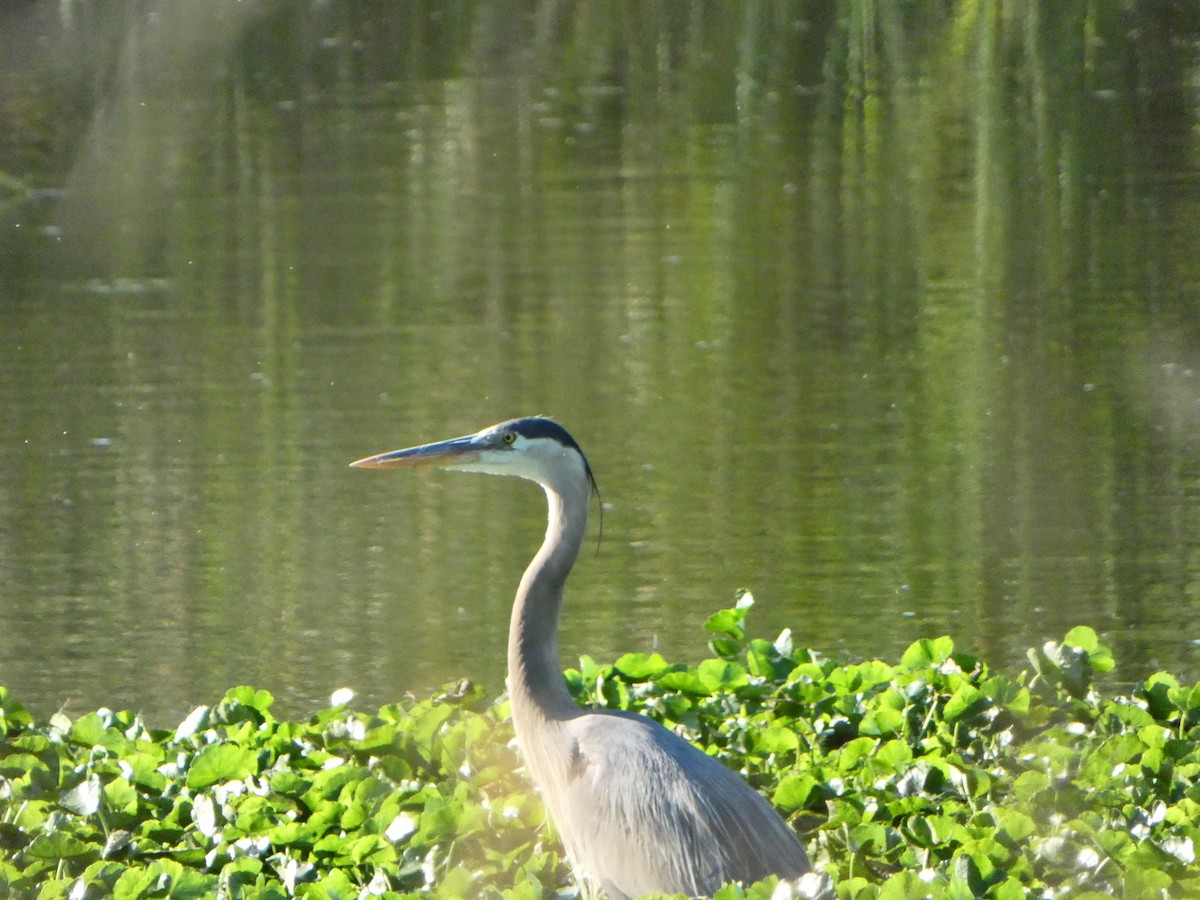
(966, 701)
(795, 792)
(854, 751)
(721, 675)
(676, 707)
(869, 838)
(1157, 691)
(16, 764)
(927, 653)
(182, 881)
(1016, 825)
(425, 721)
(291, 833)
(289, 782)
(1004, 692)
(872, 674)
(84, 798)
(1083, 638)
(1148, 881)
(784, 645)
(1009, 889)
(729, 622)
(353, 817)
(438, 820)
(906, 885)
(372, 848)
(775, 739)
(95, 730)
(328, 784)
(640, 666)
(121, 796)
(615, 694)
(921, 832)
(725, 648)
(882, 720)
(243, 704)
(59, 845)
(12, 714)
(1063, 667)
(1181, 847)
(101, 876)
(221, 762)
(134, 883)
(894, 755)
(688, 680)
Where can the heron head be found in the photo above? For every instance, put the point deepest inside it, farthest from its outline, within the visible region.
(535, 448)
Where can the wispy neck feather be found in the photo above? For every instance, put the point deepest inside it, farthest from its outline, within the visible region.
(535, 682)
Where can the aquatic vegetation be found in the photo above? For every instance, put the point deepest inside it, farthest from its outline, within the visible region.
(930, 777)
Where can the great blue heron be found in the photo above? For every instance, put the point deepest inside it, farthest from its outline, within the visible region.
(638, 808)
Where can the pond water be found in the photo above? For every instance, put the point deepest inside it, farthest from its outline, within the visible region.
(890, 317)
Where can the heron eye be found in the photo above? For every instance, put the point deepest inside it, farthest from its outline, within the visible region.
(509, 437)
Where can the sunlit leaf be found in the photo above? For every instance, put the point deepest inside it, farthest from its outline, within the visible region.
(927, 653)
(59, 845)
(221, 762)
(794, 792)
(729, 622)
(84, 798)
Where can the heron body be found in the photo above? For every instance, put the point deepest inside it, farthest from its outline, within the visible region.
(638, 808)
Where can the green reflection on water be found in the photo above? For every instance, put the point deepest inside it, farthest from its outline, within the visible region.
(889, 317)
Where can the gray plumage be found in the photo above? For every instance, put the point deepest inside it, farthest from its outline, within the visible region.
(638, 808)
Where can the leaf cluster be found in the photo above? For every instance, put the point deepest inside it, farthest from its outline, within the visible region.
(419, 796)
(929, 777)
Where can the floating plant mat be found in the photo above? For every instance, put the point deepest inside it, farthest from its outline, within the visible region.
(931, 776)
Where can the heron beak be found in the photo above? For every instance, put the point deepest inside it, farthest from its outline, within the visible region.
(444, 453)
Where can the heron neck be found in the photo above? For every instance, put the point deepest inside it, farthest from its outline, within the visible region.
(535, 682)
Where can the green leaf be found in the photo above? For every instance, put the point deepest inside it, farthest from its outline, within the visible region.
(688, 680)
(12, 714)
(59, 845)
(794, 792)
(854, 751)
(927, 653)
(1030, 783)
(882, 720)
(728, 622)
(639, 666)
(1014, 823)
(373, 849)
(775, 739)
(1084, 638)
(966, 701)
(94, 730)
(1146, 882)
(133, 884)
(894, 755)
(722, 675)
(221, 762)
(248, 696)
(905, 885)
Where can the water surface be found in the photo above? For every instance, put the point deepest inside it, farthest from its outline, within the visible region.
(892, 320)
